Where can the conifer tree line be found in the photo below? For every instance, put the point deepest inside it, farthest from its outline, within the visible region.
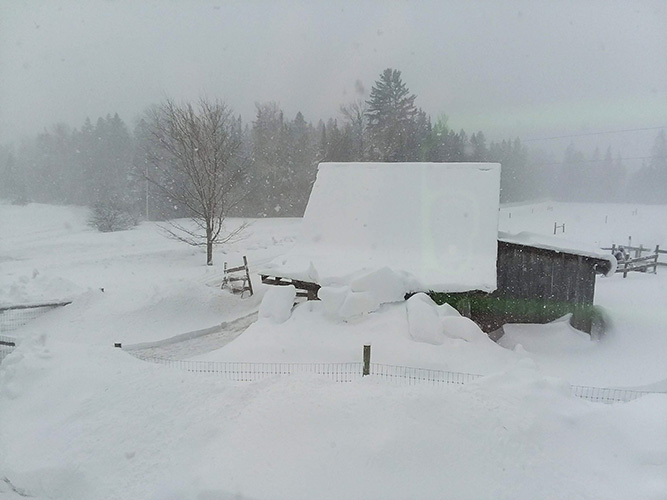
(277, 158)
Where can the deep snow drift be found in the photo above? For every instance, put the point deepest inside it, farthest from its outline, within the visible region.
(82, 420)
(85, 422)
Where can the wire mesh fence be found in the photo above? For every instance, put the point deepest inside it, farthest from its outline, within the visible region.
(14, 317)
(348, 372)
(606, 395)
(7, 345)
(251, 372)
(406, 375)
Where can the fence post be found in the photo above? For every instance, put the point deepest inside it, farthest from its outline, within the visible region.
(655, 263)
(638, 252)
(555, 228)
(224, 276)
(247, 275)
(367, 361)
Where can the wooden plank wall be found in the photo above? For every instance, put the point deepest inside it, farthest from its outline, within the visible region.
(537, 285)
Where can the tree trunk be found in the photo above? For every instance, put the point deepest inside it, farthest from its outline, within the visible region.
(209, 248)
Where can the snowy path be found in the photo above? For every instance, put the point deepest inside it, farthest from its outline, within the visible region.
(196, 343)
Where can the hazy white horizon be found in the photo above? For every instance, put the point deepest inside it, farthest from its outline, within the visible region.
(513, 68)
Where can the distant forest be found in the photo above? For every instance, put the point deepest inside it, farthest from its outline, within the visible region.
(105, 161)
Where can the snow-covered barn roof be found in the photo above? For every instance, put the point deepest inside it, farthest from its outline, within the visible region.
(561, 245)
(434, 223)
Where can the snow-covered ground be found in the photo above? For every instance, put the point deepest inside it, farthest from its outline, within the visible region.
(82, 420)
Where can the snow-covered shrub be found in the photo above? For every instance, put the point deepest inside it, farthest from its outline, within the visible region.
(111, 216)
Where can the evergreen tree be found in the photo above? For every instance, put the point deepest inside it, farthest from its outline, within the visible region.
(434, 147)
(658, 165)
(649, 184)
(572, 185)
(12, 181)
(421, 136)
(283, 163)
(478, 146)
(391, 118)
(516, 183)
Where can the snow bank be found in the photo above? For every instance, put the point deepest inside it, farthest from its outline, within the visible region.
(147, 432)
(430, 323)
(424, 323)
(465, 329)
(365, 293)
(400, 334)
(277, 303)
(435, 222)
(555, 337)
(36, 288)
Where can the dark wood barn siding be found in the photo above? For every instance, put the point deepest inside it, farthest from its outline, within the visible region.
(534, 286)
(538, 285)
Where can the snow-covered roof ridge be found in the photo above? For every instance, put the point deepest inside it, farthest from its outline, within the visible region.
(558, 244)
(434, 222)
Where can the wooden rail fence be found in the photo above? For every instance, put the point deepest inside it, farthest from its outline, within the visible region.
(233, 276)
(638, 263)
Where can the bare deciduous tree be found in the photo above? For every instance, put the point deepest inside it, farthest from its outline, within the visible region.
(355, 115)
(194, 150)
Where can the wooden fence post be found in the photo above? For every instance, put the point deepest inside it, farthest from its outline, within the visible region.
(367, 361)
(224, 276)
(247, 275)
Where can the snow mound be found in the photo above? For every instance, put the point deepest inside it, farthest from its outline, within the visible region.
(525, 378)
(515, 434)
(424, 323)
(384, 284)
(357, 304)
(555, 337)
(463, 328)
(277, 303)
(365, 294)
(36, 288)
(432, 324)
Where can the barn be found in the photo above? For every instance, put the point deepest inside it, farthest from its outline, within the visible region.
(435, 226)
(539, 279)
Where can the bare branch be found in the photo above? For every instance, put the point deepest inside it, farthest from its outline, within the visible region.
(196, 160)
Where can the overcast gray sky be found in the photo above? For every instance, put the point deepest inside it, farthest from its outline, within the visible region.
(509, 68)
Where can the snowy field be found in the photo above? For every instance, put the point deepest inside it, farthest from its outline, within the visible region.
(82, 420)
